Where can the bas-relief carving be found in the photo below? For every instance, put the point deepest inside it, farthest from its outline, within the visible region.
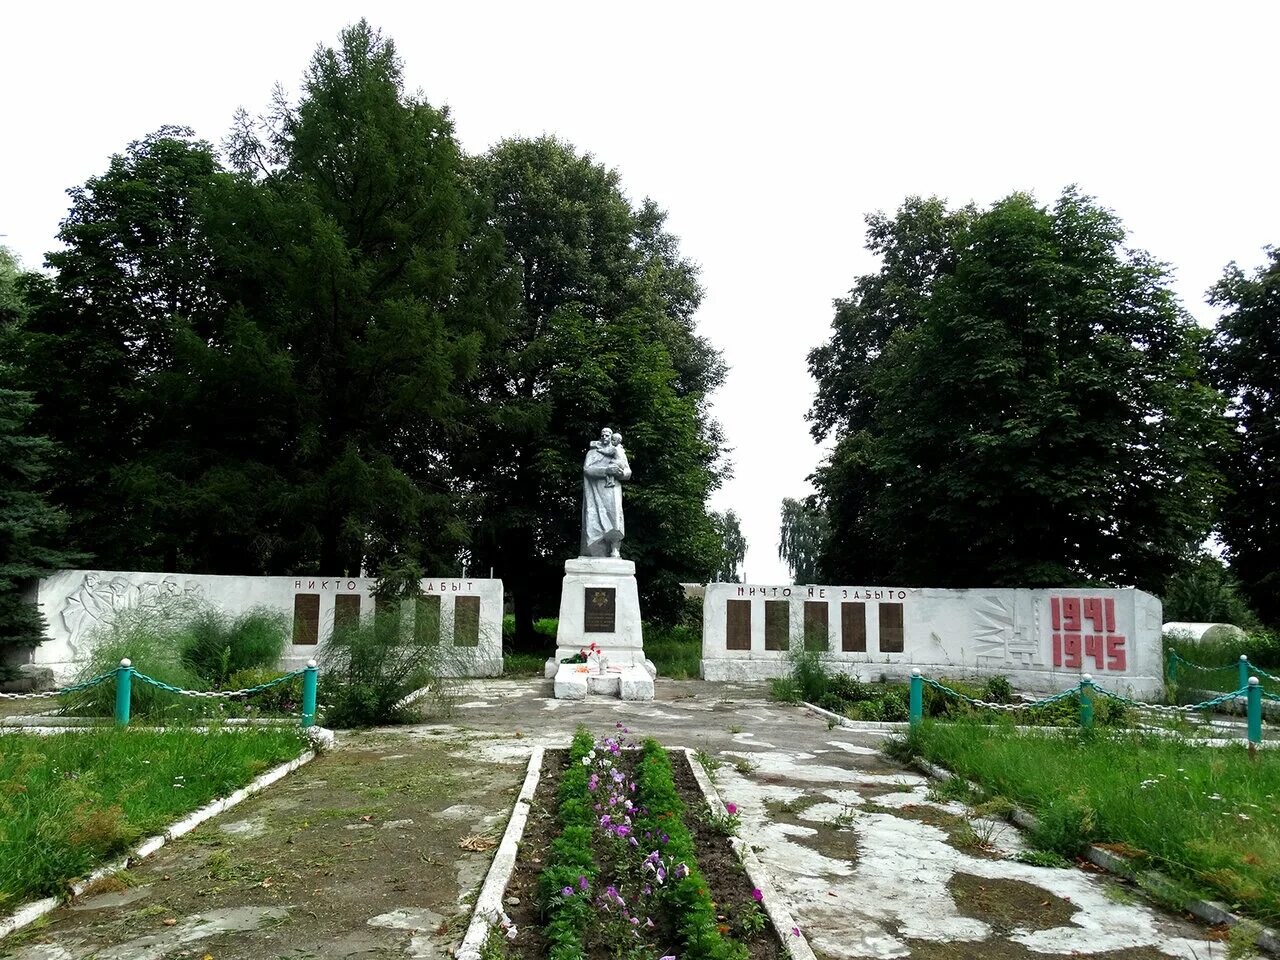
(96, 603)
(1001, 640)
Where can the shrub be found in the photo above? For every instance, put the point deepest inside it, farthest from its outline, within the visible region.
(150, 640)
(784, 689)
(283, 698)
(214, 646)
(372, 665)
(998, 689)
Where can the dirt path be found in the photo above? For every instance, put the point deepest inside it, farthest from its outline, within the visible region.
(357, 855)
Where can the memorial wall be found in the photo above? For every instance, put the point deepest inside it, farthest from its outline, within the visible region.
(466, 613)
(1043, 640)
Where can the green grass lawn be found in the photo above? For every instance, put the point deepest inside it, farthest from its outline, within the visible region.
(1209, 817)
(71, 800)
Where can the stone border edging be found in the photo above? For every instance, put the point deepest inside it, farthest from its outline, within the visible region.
(30, 912)
(1206, 910)
(488, 909)
(783, 923)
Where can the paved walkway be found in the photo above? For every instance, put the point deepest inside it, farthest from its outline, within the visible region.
(364, 853)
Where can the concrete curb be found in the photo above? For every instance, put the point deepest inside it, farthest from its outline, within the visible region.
(488, 909)
(783, 923)
(30, 912)
(1206, 910)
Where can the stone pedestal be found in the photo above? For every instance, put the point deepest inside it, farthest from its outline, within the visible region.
(600, 603)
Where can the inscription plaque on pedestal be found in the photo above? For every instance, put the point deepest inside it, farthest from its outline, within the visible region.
(600, 610)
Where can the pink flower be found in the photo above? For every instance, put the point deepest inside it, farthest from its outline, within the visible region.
(757, 895)
(732, 808)
(795, 931)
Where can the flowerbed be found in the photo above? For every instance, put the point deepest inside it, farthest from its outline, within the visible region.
(621, 859)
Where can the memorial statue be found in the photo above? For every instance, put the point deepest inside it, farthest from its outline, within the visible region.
(602, 524)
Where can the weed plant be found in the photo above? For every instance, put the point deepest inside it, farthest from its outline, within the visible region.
(70, 800)
(1207, 816)
(184, 644)
(370, 667)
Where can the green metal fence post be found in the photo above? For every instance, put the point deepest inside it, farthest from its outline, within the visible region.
(1173, 666)
(1255, 712)
(917, 697)
(1244, 671)
(124, 691)
(309, 694)
(1086, 701)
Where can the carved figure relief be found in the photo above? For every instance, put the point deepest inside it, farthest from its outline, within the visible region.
(96, 602)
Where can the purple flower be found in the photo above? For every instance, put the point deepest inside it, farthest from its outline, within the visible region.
(757, 895)
(682, 870)
(622, 831)
(604, 821)
(612, 891)
(669, 956)
(634, 842)
(582, 884)
(795, 931)
(665, 838)
(567, 892)
(662, 874)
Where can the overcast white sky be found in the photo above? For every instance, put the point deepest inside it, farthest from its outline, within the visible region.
(768, 131)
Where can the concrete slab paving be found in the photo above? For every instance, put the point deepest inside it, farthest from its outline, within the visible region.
(869, 863)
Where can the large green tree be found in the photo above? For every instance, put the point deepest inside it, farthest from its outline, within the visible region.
(1016, 399)
(802, 535)
(601, 333)
(32, 532)
(733, 551)
(1244, 358)
(256, 369)
(364, 267)
(135, 273)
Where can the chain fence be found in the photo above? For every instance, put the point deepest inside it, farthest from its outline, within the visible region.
(125, 674)
(1251, 695)
(217, 694)
(49, 694)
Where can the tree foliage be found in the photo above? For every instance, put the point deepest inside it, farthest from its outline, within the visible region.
(1244, 359)
(353, 347)
(733, 551)
(31, 530)
(1207, 591)
(1016, 398)
(601, 334)
(801, 538)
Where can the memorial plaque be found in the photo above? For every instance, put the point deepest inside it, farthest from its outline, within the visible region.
(777, 624)
(737, 625)
(600, 610)
(853, 627)
(815, 625)
(426, 618)
(891, 628)
(306, 619)
(346, 610)
(466, 622)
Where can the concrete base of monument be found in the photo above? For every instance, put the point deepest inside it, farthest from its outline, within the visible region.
(629, 683)
(600, 604)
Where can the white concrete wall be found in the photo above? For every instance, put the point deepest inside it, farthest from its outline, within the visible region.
(958, 633)
(76, 602)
